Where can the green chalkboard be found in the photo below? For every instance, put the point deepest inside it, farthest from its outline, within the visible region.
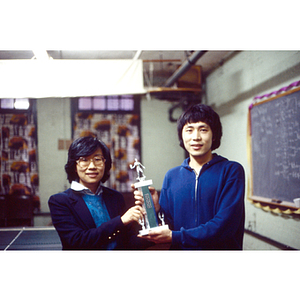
(275, 143)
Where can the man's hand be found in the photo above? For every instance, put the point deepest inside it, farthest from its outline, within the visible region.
(158, 235)
(138, 196)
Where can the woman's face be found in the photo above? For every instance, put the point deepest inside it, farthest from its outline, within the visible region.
(90, 169)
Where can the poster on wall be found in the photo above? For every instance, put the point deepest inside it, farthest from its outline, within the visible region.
(120, 132)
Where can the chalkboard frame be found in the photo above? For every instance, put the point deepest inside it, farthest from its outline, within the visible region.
(276, 205)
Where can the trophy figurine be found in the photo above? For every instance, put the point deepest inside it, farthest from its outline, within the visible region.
(150, 220)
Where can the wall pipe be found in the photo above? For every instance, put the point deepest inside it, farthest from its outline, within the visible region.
(184, 68)
(269, 241)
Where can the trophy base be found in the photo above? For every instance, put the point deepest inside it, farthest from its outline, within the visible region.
(146, 231)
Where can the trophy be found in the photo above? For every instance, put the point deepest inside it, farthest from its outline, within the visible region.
(150, 220)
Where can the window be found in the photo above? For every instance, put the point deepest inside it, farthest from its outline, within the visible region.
(15, 104)
(111, 103)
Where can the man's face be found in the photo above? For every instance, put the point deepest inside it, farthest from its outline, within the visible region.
(197, 139)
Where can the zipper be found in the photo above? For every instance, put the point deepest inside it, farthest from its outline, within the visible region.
(196, 190)
(196, 193)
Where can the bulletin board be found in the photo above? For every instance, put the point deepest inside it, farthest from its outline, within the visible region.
(274, 146)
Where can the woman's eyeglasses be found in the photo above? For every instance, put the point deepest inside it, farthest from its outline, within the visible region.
(84, 162)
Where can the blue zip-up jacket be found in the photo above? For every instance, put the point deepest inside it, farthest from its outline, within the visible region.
(206, 211)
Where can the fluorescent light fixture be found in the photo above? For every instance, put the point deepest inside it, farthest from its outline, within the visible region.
(40, 54)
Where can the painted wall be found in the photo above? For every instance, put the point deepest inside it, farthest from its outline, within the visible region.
(230, 90)
(160, 145)
(54, 123)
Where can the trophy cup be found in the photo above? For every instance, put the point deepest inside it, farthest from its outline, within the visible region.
(150, 220)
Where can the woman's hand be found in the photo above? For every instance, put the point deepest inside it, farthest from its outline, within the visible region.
(133, 214)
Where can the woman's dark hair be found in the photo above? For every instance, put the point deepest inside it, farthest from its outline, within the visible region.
(201, 113)
(86, 146)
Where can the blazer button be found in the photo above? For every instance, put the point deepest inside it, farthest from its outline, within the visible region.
(109, 237)
(118, 231)
(114, 234)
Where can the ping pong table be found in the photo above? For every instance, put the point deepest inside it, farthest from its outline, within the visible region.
(29, 238)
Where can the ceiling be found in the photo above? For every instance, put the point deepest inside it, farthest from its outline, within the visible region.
(158, 65)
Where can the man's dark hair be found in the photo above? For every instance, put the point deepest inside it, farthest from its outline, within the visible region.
(201, 113)
(86, 146)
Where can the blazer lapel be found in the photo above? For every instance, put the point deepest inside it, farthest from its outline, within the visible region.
(81, 210)
(113, 205)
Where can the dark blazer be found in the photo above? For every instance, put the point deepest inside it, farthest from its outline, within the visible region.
(76, 227)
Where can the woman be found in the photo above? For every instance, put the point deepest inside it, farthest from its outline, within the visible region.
(89, 215)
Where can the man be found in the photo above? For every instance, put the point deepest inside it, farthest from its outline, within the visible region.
(203, 199)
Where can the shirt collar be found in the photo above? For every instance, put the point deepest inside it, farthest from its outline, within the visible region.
(78, 187)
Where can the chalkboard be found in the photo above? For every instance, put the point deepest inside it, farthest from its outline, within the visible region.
(275, 139)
